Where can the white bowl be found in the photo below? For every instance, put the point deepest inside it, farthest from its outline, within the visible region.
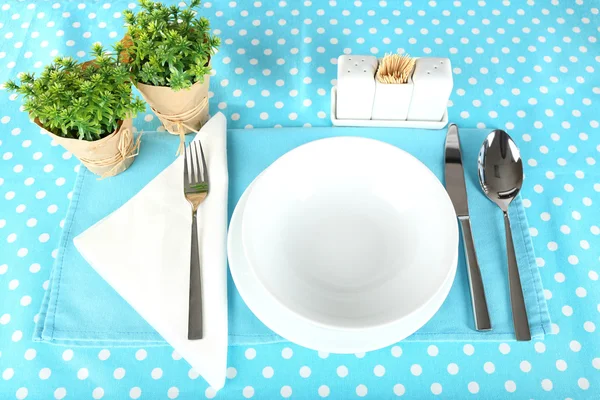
(301, 331)
(350, 234)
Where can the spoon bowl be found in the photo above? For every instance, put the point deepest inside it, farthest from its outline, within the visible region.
(500, 168)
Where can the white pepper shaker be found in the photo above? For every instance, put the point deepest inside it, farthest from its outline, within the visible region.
(432, 86)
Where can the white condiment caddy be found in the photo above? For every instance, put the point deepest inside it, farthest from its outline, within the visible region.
(359, 100)
(381, 122)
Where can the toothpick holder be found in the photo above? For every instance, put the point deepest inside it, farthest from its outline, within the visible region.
(392, 100)
(356, 86)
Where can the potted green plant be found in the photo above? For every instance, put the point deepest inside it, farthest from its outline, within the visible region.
(168, 50)
(85, 107)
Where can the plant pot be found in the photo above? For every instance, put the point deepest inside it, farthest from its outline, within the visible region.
(183, 111)
(106, 157)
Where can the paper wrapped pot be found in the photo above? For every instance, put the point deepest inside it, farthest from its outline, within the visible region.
(106, 157)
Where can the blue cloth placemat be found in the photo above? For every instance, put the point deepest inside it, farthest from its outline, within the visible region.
(81, 309)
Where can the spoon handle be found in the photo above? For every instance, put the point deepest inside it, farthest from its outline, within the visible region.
(519, 312)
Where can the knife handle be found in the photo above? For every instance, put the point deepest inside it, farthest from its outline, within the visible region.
(481, 314)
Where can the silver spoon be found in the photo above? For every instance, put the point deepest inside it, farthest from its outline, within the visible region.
(501, 177)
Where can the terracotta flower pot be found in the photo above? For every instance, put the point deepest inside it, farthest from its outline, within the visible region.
(106, 157)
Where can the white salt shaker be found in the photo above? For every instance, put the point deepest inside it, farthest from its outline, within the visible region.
(355, 86)
(432, 86)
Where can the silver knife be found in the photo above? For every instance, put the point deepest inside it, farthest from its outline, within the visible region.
(456, 188)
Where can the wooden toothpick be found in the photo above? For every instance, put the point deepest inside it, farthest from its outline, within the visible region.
(395, 68)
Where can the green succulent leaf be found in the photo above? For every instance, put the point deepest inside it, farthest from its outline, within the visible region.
(12, 86)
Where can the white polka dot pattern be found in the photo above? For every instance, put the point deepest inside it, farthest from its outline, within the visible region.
(528, 67)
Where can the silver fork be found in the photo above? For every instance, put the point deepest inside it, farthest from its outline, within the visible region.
(195, 186)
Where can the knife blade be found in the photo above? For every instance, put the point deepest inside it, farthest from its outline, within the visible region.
(454, 173)
(457, 190)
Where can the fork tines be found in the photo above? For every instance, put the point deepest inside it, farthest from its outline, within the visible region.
(195, 171)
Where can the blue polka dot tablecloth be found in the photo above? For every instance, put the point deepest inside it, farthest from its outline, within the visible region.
(528, 67)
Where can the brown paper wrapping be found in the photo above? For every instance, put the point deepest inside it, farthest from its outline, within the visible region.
(106, 157)
(185, 109)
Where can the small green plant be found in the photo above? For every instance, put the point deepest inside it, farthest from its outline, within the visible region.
(167, 45)
(80, 100)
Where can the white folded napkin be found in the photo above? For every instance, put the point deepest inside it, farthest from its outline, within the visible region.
(143, 251)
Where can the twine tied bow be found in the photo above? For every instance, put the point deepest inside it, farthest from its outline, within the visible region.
(127, 147)
(178, 121)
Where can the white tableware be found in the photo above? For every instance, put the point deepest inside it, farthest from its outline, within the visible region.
(300, 331)
(432, 80)
(356, 84)
(356, 248)
(391, 101)
(337, 121)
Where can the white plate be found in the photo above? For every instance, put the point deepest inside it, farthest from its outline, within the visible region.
(298, 317)
(381, 122)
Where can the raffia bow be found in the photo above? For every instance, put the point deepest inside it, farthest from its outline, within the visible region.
(128, 147)
(179, 122)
